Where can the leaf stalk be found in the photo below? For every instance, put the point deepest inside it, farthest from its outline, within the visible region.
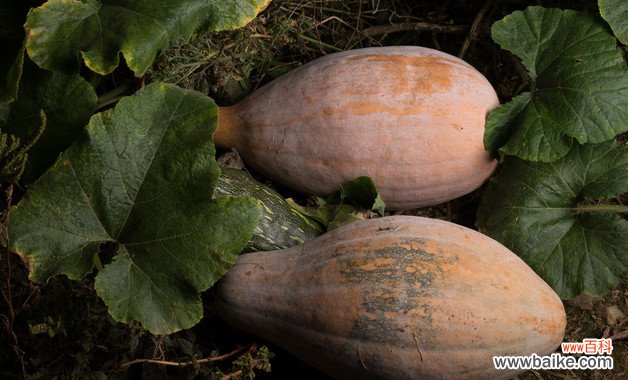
(622, 209)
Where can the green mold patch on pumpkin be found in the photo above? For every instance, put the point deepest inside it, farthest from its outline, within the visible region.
(404, 262)
(407, 272)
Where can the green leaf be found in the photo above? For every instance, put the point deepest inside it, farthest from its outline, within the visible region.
(615, 12)
(545, 213)
(140, 177)
(356, 200)
(68, 102)
(12, 38)
(320, 212)
(345, 214)
(361, 193)
(158, 280)
(60, 30)
(580, 84)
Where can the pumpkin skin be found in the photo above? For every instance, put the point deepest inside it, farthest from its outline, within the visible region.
(398, 297)
(280, 225)
(411, 118)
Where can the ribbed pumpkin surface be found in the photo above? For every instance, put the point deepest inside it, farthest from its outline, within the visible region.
(280, 225)
(395, 298)
(412, 118)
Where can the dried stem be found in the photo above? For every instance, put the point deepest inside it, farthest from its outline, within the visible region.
(620, 335)
(416, 26)
(7, 295)
(474, 28)
(208, 359)
(251, 364)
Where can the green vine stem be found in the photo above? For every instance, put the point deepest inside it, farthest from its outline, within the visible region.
(113, 96)
(97, 263)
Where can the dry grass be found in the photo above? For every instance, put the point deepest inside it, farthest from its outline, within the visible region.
(229, 65)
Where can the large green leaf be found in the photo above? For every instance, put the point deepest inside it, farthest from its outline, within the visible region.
(615, 12)
(60, 30)
(12, 16)
(544, 213)
(580, 84)
(140, 178)
(68, 102)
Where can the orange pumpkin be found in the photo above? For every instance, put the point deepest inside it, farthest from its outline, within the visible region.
(411, 118)
(395, 298)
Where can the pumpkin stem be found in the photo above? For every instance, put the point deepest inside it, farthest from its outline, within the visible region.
(228, 123)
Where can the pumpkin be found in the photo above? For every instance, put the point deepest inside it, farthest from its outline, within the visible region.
(280, 225)
(411, 118)
(395, 298)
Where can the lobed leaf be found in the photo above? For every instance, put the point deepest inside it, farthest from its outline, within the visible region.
(580, 84)
(99, 30)
(615, 12)
(544, 213)
(68, 102)
(141, 178)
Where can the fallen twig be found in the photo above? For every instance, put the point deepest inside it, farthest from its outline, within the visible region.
(208, 359)
(474, 28)
(620, 335)
(417, 26)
